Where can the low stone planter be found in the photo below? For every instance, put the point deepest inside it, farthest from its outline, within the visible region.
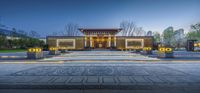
(165, 52)
(166, 55)
(147, 51)
(35, 53)
(54, 52)
(63, 51)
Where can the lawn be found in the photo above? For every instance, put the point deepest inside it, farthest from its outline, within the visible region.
(11, 50)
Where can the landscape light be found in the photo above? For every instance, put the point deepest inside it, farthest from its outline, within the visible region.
(161, 49)
(36, 50)
(168, 49)
(30, 50)
(53, 48)
(147, 48)
(198, 44)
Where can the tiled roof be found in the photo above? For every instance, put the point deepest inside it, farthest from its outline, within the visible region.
(100, 29)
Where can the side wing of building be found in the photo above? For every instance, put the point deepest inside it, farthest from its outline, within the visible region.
(66, 42)
(134, 42)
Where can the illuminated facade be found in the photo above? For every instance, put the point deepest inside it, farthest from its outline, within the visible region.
(100, 39)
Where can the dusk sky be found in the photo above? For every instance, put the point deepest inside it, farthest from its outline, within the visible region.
(47, 16)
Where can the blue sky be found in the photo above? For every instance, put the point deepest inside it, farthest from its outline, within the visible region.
(47, 16)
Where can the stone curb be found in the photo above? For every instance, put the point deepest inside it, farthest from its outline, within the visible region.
(123, 87)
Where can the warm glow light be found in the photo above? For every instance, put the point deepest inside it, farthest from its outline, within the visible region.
(161, 49)
(29, 50)
(165, 50)
(53, 48)
(199, 44)
(36, 50)
(135, 47)
(168, 49)
(62, 47)
(147, 48)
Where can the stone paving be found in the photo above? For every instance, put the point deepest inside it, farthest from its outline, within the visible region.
(98, 71)
(140, 77)
(104, 76)
(100, 55)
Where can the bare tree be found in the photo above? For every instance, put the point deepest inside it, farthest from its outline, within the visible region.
(57, 33)
(131, 29)
(14, 32)
(22, 33)
(139, 32)
(71, 29)
(34, 34)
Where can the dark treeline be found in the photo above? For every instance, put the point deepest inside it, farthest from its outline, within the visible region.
(19, 40)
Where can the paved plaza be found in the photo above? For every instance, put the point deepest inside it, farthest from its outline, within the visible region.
(129, 73)
(100, 56)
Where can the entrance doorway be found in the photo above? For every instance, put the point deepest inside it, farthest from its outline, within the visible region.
(100, 42)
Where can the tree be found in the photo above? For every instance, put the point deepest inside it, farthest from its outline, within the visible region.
(168, 36)
(149, 33)
(174, 38)
(130, 29)
(56, 33)
(194, 32)
(2, 39)
(196, 27)
(2, 33)
(14, 33)
(157, 37)
(22, 33)
(179, 38)
(34, 42)
(9, 43)
(34, 34)
(71, 29)
(15, 43)
(23, 42)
